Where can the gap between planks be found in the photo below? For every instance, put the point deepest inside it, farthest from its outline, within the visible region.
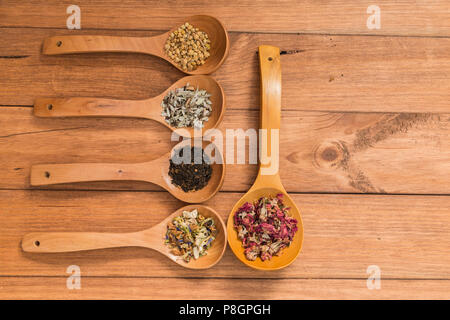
(298, 33)
(224, 278)
(54, 189)
(283, 109)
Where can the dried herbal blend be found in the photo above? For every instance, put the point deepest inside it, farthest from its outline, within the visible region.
(190, 235)
(186, 107)
(190, 168)
(264, 227)
(188, 47)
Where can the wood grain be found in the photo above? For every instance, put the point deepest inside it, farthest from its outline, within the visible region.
(332, 73)
(364, 111)
(406, 17)
(228, 289)
(408, 237)
(319, 151)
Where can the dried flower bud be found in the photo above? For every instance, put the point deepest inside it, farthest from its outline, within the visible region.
(188, 46)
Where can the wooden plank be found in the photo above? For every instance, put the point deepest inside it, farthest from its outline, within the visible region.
(333, 73)
(229, 289)
(319, 151)
(405, 17)
(406, 236)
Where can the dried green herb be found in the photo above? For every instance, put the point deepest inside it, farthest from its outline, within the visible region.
(190, 168)
(186, 107)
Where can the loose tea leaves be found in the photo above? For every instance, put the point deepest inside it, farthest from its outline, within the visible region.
(190, 168)
(264, 227)
(190, 235)
(188, 47)
(186, 107)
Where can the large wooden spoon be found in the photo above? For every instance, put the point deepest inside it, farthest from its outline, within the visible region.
(153, 238)
(155, 171)
(268, 184)
(147, 45)
(146, 109)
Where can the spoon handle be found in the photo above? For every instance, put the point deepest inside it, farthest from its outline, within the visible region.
(93, 107)
(84, 44)
(48, 174)
(77, 241)
(270, 70)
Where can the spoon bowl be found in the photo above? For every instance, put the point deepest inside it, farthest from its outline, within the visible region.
(155, 171)
(268, 182)
(289, 254)
(153, 238)
(147, 45)
(214, 184)
(144, 109)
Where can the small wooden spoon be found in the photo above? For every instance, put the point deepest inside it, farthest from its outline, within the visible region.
(153, 238)
(147, 45)
(155, 171)
(268, 185)
(145, 109)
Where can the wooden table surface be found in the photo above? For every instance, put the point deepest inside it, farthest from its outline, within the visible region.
(365, 148)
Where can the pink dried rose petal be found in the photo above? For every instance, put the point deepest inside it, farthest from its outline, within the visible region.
(264, 227)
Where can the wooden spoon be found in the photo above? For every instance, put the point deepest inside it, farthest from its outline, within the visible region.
(155, 171)
(153, 238)
(268, 185)
(147, 45)
(146, 109)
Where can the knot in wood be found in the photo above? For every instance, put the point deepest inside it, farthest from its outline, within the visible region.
(330, 155)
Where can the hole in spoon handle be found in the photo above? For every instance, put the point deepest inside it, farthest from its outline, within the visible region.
(90, 107)
(77, 241)
(92, 43)
(270, 72)
(49, 174)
